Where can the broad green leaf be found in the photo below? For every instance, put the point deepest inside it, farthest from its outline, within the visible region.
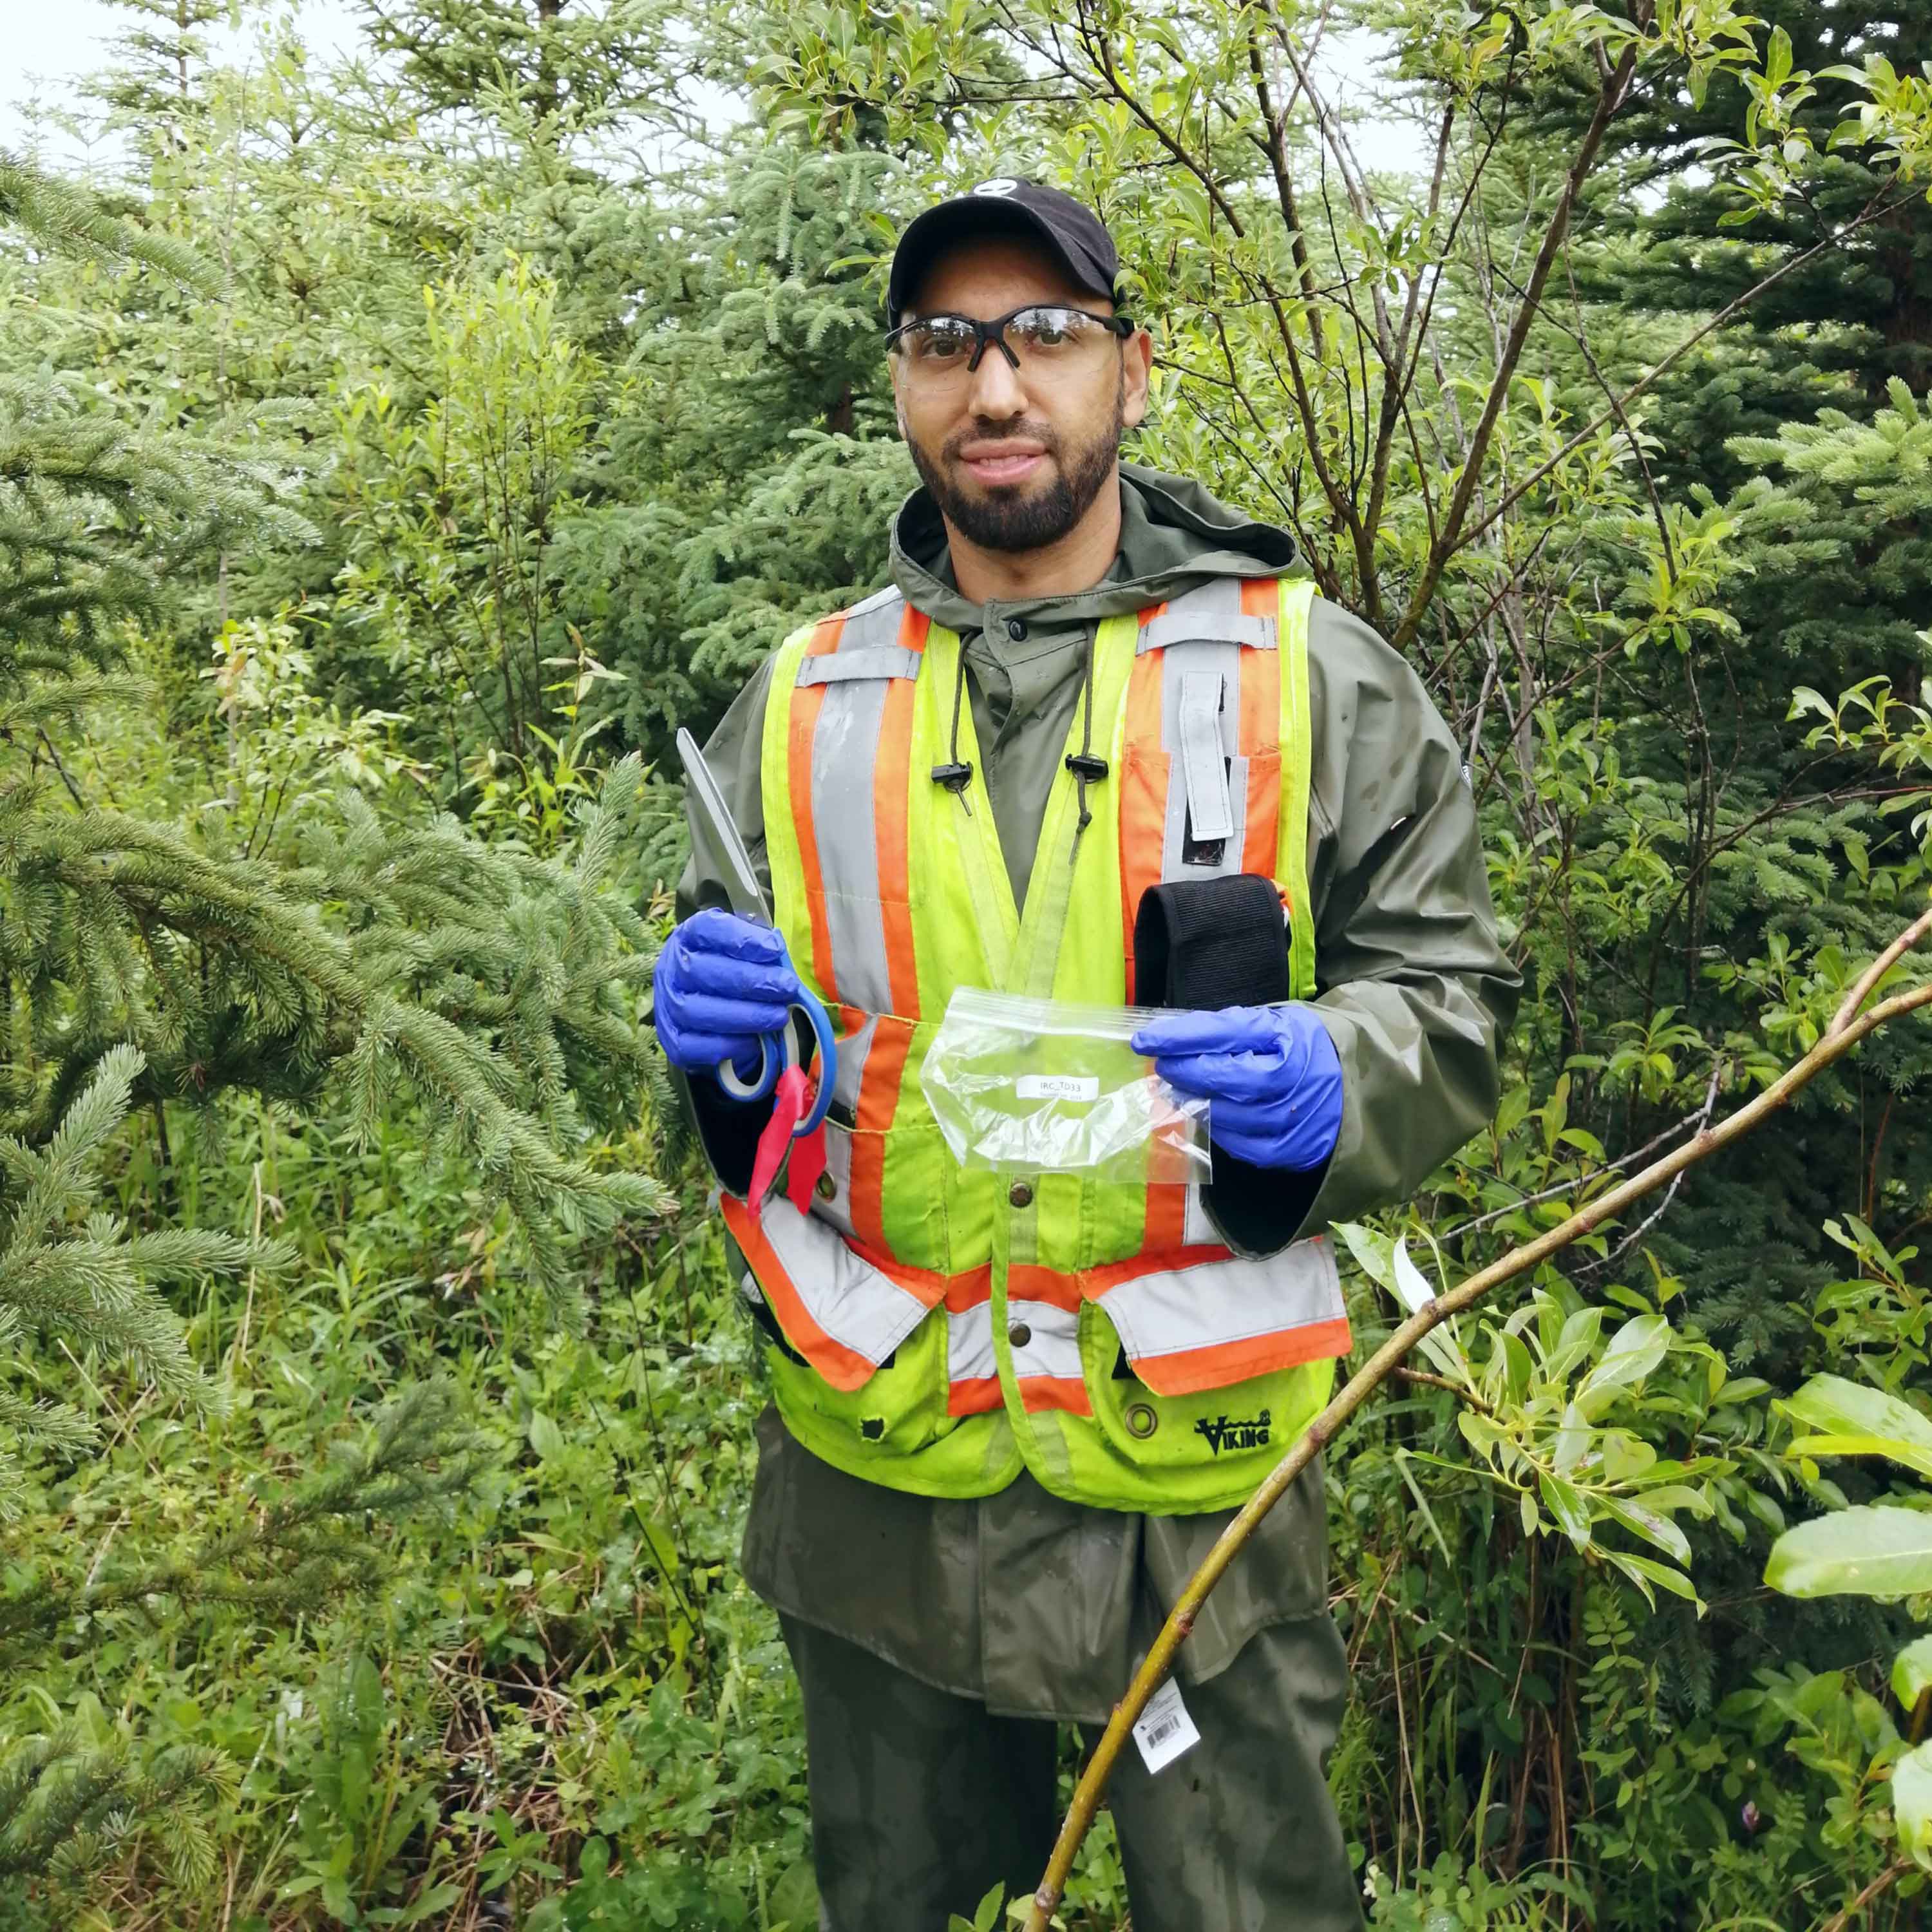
(1829, 1405)
(1371, 1251)
(1635, 1349)
(1911, 1671)
(1578, 1337)
(1912, 1804)
(1675, 1581)
(1565, 1501)
(1573, 1438)
(1413, 1290)
(1648, 1524)
(1410, 1283)
(1890, 1447)
(546, 1438)
(1875, 1549)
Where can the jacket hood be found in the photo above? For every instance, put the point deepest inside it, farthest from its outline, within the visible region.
(1174, 535)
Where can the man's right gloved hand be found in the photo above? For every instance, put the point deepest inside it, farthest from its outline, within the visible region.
(719, 983)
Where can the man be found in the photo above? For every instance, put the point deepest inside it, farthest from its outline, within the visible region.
(1097, 718)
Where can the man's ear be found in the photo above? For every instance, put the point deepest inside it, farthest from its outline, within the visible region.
(1137, 357)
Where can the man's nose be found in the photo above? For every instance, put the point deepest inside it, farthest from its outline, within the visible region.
(997, 393)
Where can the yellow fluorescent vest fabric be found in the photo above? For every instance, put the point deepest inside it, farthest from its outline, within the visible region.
(947, 1326)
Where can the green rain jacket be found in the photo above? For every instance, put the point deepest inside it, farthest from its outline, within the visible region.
(1037, 1605)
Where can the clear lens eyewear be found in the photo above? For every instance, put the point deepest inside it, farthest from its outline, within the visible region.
(1045, 338)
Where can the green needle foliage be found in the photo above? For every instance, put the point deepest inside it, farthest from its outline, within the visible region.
(147, 965)
(409, 442)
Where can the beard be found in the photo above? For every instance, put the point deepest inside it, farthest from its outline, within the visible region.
(1011, 517)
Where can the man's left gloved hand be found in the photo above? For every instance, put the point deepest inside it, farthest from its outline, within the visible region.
(1271, 1075)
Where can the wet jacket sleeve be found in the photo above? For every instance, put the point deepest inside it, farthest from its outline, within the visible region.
(728, 1130)
(1414, 987)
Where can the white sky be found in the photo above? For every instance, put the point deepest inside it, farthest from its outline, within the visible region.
(46, 45)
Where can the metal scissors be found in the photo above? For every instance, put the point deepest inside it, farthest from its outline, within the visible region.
(712, 821)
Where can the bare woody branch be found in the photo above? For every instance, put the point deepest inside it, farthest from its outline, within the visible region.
(1845, 1033)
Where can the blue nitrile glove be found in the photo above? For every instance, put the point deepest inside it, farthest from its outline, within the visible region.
(719, 983)
(1271, 1075)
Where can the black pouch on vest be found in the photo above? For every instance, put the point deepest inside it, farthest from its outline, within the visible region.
(1223, 942)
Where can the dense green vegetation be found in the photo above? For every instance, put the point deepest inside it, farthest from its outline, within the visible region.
(393, 453)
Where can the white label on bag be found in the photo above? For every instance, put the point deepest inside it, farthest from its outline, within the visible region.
(1164, 1730)
(1058, 1086)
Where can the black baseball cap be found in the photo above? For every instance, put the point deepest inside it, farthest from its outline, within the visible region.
(1074, 235)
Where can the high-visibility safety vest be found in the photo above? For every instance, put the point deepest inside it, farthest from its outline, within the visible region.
(945, 1327)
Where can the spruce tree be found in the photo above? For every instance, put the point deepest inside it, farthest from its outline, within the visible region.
(748, 477)
(560, 59)
(144, 969)
(155, 83)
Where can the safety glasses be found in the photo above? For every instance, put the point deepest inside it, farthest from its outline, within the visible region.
(1044, 336)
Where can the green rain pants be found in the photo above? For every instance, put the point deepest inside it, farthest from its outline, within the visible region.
(921, 1803)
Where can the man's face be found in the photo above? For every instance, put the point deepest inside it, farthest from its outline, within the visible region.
(1015, 457)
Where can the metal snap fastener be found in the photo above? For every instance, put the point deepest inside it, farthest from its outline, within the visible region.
(1021, 1194)
(1019, 1334)
(827, 1186)
(1015, 629)
(1141, 1421)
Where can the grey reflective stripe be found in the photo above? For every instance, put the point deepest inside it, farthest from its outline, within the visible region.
(858, 1306)
(1201, 634)
(853, 1051)
(1052, 1346)
(1203, 764)
(1213, 610)
(837, 1207)
(1169, 1311)
(845, 757)
(1220, 664)
(841, 666)
(969, 1344)
(890, 594)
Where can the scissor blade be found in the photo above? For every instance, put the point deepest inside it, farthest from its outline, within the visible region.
(712, 823)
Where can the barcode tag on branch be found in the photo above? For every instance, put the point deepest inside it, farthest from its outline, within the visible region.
(1164, 1730)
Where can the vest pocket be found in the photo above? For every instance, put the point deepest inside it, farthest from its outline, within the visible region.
(901, 1409)
(1234, 1435)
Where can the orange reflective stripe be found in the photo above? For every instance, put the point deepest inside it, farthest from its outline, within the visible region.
(844, 1368)
(1067, 1393)
(1095, 1281)
(979, 1396)
(970, 1345)
(878, 1103)
(1190, 1371)
(1260, 597)
(891, 805)
(1164, 1230)
(806, 703)
(968, 1290)
(1143, 792)
(1026, 1281)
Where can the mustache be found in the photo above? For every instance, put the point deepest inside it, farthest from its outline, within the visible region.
(984, 430)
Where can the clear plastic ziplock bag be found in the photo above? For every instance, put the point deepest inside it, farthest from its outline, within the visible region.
(1039, 1086)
